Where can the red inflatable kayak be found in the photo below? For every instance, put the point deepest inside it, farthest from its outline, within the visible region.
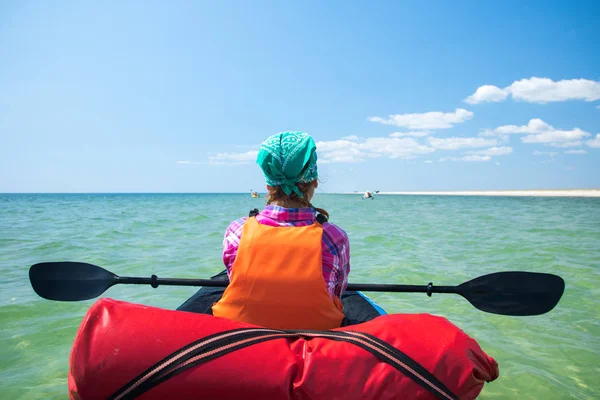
(125, 350)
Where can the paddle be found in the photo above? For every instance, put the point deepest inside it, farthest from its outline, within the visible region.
(505, 293)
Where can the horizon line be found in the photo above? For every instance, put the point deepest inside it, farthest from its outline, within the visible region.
(336, 192)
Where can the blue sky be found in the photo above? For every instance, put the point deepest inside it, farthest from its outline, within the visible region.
(176, 96)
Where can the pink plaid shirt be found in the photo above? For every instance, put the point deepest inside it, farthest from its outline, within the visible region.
(335, 245)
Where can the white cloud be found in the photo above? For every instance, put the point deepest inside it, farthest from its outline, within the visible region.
(335, 145)
(564, 145)
(543, 90)
(575, 152)
(413, 134)
(480, 155)
(455, 143)
(350, 149)
(594, 142)
(539, 90)
(535, 125)
(360, 149)
(343, 150)
(476, 158)
(539, 131)
(395, 147)
(346, 155)
(487, 94)
(555, 136)
(353, 149)
(429, 120)
(470, 158)
(545, 153)
(233, 158)
(494, 151)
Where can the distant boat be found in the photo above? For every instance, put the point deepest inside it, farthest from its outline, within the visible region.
(369, 195)
(254, 194)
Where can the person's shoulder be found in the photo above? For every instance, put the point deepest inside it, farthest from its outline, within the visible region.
(236, 225)
(335, 232)
(238, 221)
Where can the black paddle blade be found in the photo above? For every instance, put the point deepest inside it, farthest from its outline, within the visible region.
(70, 281)
(514, 293)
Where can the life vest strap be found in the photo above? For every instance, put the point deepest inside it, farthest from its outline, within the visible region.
(321, 219)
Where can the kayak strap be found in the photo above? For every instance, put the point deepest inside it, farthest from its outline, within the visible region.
(220, 344)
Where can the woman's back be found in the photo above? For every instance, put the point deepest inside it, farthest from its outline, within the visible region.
(335, 246)
(287, 251)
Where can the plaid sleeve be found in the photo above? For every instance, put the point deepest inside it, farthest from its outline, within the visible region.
(231, 242)
(336, 259)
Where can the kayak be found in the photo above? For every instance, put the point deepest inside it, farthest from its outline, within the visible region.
(124, 350)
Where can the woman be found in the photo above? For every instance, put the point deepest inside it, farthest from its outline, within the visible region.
(287, 265)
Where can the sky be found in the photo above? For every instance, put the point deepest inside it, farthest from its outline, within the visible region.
(157, 96)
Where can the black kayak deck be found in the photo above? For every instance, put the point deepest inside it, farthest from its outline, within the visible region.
(357, 307)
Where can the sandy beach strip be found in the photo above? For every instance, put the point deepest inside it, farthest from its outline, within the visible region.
(521, 193)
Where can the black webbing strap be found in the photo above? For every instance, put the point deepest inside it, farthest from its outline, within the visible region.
(220, 344)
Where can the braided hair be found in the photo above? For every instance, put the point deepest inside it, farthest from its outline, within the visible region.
(276, 194)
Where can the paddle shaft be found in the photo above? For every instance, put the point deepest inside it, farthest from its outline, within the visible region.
(364, 287)
(516, 293)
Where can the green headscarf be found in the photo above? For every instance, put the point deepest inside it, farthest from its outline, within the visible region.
(288, 158)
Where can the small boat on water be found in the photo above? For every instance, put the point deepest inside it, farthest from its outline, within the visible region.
(254, 194)
(370, 195)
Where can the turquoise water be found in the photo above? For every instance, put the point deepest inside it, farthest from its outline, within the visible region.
(394, 239)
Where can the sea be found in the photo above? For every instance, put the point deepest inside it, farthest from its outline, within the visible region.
(401, 239)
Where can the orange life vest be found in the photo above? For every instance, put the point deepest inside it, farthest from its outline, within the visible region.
(277, 280)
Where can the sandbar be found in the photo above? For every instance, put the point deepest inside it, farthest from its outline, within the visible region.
(521, 193)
